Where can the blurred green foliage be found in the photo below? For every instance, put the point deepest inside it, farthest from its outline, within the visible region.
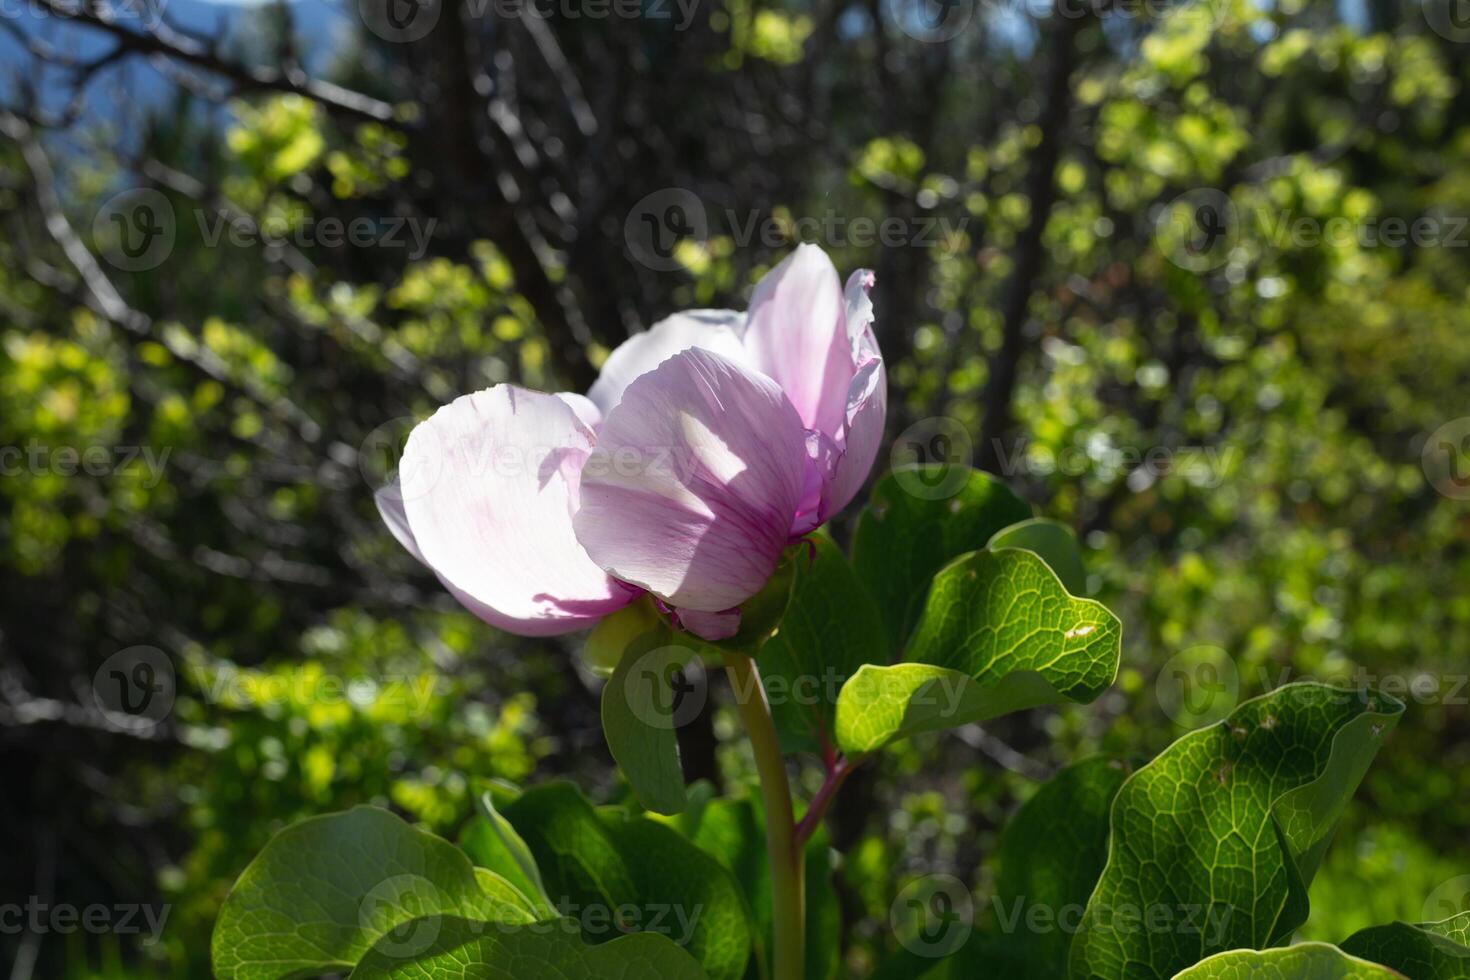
(1286, 383)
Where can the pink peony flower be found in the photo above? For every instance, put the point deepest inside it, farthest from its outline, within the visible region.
(708, 444)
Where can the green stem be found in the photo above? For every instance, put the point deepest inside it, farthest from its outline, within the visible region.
(788, 877)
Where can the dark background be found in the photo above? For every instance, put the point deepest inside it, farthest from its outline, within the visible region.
(1192, 278)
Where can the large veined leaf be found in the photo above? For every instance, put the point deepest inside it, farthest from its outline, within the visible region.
(463, 949)
(1213, 842)
(1051, 854)
(1428, 951)
(998, 634)
(698, 900)
(325, 890)
(906, 534)
(992, 613)
(724, 829)
(1053, 542)
(1455, 928)
(578, 861)
(492, 843)
(1305, 961)
(617, 873)
(830, 629)
(733, 832)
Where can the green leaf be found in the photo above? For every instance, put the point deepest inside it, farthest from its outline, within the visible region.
(730, 832)
(613, 634)
(498, 889)
(1304, 961)
(1052, 542)
(323, 891)
(998, 634)
(620, 872)
(579, 862)
(449, 948)
(880, 705)
(831, 628)
(698, 900)
(492, 843)
(1428, 951)
(733, 833)
(902, 538)
(992, 613)
(1051, 854)
(640, 719)
(1217, 838)
(1456, 928)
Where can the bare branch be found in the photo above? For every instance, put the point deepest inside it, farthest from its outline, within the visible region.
(167, 42)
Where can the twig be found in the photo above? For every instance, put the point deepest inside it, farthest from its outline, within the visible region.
(167, 42)
(978, 738)
(103, 298)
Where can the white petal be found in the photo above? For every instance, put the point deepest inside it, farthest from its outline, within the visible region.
(389, 499)
(716, 330)
(490, 483)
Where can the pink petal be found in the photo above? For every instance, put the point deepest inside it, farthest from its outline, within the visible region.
(712, 626)
(867, 400)
(696, 477)
(795, 334)
(489, 486)
(716, 330)
(823, 454)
